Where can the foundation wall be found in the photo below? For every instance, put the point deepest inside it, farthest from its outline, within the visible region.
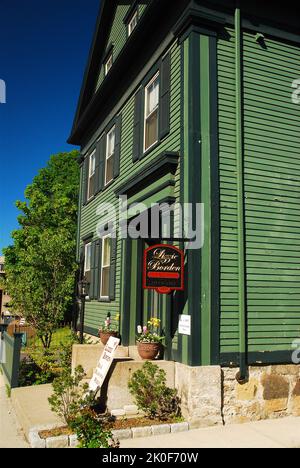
(209, 395)
(270, 392)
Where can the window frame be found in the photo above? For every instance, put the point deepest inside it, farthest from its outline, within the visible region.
(107, 156)
(91, 155)
(135, 15)
(146, 118)
(86, 246)
(108, 236)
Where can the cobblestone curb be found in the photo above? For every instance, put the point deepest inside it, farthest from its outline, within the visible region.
(120, 434)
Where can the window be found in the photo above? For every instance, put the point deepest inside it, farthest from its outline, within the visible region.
(108, 64)
(132, 23)
(110, 153)
(92, 175)
(88, 261)
(151, 113)
(105, 267)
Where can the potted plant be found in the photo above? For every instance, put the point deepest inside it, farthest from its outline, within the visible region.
(149, 341)
(109, 329)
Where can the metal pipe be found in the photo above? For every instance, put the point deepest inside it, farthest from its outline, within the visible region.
(240, 198)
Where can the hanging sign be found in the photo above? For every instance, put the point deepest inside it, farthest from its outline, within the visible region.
(104, 364)
(163, 269)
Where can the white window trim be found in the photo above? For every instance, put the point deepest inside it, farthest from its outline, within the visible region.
(105, 298)
(86, 270)
(145, 112)
(130, 29)
(91, 174)
(106, 69)
(107, 156)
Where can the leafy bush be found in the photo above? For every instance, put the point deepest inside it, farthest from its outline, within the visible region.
(32, 372)
(152, 396)
(88, 426)
(70, 395)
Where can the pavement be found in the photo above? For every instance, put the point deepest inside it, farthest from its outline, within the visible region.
(11, 435)
(276, 433)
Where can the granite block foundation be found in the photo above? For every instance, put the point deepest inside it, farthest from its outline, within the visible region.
(270, 392)
(209, 395)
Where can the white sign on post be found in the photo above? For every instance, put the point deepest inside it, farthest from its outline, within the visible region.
(184, 325)
(104, 364)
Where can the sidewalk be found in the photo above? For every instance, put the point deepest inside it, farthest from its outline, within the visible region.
(10, 434)
(278, 433)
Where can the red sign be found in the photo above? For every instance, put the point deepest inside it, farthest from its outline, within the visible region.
(163, 269)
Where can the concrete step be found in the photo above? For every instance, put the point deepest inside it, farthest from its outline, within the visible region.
(32, 408)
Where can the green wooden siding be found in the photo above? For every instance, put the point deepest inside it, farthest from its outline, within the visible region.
(228, 195)
(272, 194)
(96, 311)
(118, 35)
(272, 191)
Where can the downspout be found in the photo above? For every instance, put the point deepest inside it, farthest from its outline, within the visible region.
(240, 195)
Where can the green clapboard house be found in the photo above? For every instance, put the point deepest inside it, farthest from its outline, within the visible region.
(196, 102)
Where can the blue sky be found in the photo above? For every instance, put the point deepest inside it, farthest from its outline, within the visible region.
(44, 48)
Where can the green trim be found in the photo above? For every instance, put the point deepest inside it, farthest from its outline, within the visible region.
(193, 17)
(193, 148)
(80, 200)
(257, 358)
(215, 204)
(90, 330)
(164, 163)
(240, 194)
(125, 291)
(206, 276)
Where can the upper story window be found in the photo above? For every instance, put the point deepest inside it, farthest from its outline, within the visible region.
(92, 175)
(110, 153)
(151, 112)
(108, 64)
(132, 23)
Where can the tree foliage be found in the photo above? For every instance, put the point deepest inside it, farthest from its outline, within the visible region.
(41, 263)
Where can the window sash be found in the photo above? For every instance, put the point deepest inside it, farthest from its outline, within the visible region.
(87, 257)
(92, 173)
(105, 267)
(151, 112)
(132, 23)
(110, 153)
(108, 64)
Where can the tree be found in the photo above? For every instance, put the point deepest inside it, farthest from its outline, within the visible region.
(41, 263)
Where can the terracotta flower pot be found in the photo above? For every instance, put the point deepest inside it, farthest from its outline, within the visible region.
(104, 336)
(148, 351)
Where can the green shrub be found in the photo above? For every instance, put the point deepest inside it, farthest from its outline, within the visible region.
(70, 396)
(152, 396)
(88, 426)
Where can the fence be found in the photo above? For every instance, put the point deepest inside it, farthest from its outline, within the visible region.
(10, 356)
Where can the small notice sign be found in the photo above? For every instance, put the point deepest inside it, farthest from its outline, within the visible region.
(184, 326)
(104, 364)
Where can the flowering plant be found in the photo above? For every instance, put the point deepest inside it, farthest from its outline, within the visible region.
(149, 333)
(110, 325)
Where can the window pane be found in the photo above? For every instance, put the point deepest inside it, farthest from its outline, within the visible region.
(106, 251)
(111, 138)
(92, 186)
(151, 134)
(108, 64)
(105, 282)
(88, 253)
(153, 96)
(109, 174)
(92, 164)
(132, 23)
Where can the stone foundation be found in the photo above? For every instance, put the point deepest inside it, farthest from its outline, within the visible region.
(270, 392)
(209, 395)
